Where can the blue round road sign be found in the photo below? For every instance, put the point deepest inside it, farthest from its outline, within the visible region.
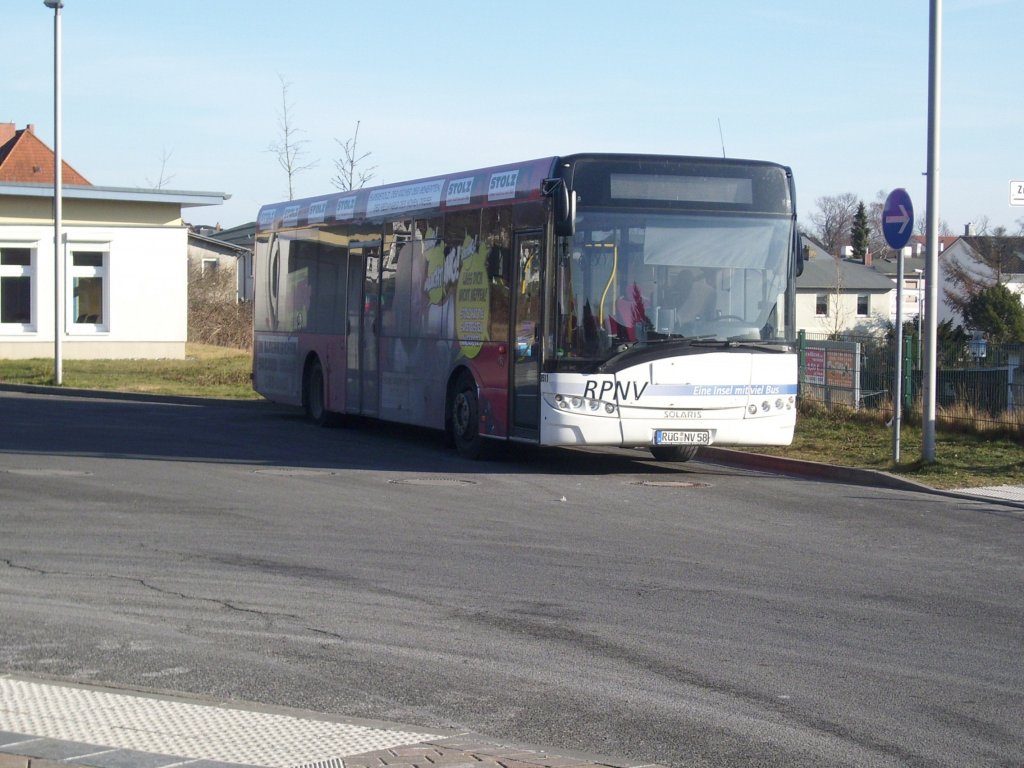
(898, 219)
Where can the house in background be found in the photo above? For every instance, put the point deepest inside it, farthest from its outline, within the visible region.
(124, 261)
(209, 255)
(835, 295)
(966, 252)
(913, 281)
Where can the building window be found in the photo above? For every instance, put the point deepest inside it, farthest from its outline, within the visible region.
(821, 305)
(862, 305)
(210, 266)
(17, 281)
(87, 280)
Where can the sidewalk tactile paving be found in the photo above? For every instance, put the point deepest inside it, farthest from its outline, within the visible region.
(100, 719)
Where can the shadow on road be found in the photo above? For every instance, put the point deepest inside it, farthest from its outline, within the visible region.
(267, 435)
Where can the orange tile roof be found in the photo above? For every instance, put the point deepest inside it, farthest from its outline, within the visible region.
(24, 158)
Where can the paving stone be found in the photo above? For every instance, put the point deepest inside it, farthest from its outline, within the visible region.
(415, 752)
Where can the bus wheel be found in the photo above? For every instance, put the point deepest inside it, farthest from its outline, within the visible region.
(314, 397)
(673, 452)
(465, 418)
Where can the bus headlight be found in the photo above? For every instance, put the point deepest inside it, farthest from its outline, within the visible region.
(578, 403)
(768, 407)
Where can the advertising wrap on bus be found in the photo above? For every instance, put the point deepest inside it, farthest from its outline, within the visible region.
(654, 309)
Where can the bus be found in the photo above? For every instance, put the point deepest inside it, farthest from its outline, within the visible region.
(639, 301)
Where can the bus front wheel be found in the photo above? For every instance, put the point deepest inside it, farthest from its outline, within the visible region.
(673, 452)
(465, 418)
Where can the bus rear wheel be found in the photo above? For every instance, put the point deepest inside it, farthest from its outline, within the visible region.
(673, 452)
(464, 418)
(314, 397)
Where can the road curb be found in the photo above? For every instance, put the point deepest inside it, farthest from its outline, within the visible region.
(815, 469)
(111, 394)
(852, 475)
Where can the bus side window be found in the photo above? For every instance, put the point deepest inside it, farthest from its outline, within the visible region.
(496, 239)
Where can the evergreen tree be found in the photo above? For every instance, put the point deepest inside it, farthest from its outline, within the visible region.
(952, 344)
(860, 232)
(997, 312)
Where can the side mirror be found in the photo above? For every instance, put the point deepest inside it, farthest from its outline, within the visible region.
(563, 201)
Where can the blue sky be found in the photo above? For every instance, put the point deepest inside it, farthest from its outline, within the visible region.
(836, 90)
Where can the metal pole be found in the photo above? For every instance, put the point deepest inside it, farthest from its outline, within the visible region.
(897, 400)
(932, 261)
(920, 311)
(58, 238)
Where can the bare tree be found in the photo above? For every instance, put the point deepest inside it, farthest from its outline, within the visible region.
(350, 176)
(163, 180)
(921, 226)
(837, 319)
(289, 148)
(833, 220)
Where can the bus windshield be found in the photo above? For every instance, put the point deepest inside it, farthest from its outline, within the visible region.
(629, 278)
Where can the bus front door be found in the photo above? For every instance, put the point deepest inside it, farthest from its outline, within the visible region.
(361, 388)
(527, 314)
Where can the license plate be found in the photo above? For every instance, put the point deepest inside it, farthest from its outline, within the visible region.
(682, 437)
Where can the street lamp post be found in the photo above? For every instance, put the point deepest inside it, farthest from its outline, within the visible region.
(920, 312)
(58, 272)
(932, 264)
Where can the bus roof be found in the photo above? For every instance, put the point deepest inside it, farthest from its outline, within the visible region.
(496, 185)
(485, 186)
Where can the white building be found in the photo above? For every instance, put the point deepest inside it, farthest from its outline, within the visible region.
(124, 261)
(835, 296)
(966, 252)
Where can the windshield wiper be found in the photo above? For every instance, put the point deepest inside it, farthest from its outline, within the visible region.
(767, 346)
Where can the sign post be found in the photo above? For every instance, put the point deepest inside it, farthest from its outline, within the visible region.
(898, 226)
(1017, 193)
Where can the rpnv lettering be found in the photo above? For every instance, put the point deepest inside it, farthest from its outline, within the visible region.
(619, 390)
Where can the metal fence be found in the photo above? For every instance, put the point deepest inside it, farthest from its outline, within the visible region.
(979, 385)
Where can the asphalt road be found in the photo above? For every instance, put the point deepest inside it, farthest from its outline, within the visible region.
(591, 600)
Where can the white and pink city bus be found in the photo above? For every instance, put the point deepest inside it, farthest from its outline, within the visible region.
(593, 299)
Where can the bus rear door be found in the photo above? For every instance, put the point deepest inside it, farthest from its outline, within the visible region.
(361, 380)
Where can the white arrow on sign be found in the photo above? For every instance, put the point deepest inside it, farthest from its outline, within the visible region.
(903, 218)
